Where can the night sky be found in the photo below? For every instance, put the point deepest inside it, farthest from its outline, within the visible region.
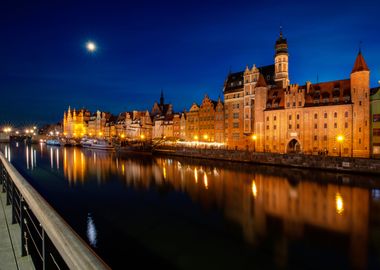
(184, 47)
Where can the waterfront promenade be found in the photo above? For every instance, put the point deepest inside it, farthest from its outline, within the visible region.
(10, 244)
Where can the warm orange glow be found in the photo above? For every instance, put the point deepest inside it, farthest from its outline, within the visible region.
(340, 138)
(196, 175)
(122, 135)
(205, 180)
(164, 172)
(196, 137)
(100, 133)
(205, 136)
(339, 203)
(254, 188)
(254, 137)
(142, 136)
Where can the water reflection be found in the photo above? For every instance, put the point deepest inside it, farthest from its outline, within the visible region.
(91, 231)
(256, 200)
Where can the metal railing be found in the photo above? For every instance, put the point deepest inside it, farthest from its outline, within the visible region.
(50, 241)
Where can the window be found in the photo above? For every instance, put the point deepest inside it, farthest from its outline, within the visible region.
(335, 114)
(290, 126)
(376, 118)
(360, 141)
(335, 125)
(325, 137)
(376, 132)
(290, 117)
(325, 125)
(315, 116)
(274, 118)
(360, 129)
(294, 104)
(325, 115)
(236, 115)
(315, 126)
(274, 127)
(315, 138)
(360, 103)
(298, 125)
(346, 125)
(236, 125)
(267, 127)
(267, 118)
(299, 103)
(287, 104)
(298, 117)
(346, 114)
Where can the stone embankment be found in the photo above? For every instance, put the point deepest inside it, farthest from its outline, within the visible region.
(346, 164)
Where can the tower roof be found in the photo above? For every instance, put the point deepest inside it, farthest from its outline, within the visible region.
(360, 64)
(261, 81)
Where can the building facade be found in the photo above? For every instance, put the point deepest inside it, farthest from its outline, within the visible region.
(264, 112)
(375, 122)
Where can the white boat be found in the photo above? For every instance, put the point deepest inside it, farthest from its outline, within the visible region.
(98, 144)
(86, 142)
(53, 142)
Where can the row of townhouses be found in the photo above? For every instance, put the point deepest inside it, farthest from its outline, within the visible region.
(262, 111)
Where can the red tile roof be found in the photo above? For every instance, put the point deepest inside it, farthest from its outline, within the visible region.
(360, 63)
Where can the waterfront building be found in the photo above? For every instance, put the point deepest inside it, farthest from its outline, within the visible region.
(97, 123)
(192, 123)
(75, 123)
(138, 125)
(183, 126)
(264, 112)
(375, 122)
(211, 120)
(110, 127)
(162, 119)
(176, 126)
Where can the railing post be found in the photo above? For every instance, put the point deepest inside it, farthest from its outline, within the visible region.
(13, 203)
(7, 189)
(22, 228)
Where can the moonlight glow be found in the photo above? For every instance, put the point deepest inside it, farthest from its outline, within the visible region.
(91, 47)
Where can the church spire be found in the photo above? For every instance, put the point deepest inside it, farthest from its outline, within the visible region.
(162, 98)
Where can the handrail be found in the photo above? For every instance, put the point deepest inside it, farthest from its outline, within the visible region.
(74, 251)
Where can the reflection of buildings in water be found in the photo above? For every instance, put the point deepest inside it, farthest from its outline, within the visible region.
(31, 157)
(250, 199)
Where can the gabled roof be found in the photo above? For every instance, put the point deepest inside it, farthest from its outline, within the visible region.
(261, 81)
(360, 64)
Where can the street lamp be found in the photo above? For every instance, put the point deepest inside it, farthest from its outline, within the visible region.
(340, 139)
(254, 138)
(205, 137)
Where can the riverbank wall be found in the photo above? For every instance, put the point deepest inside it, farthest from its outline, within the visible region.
(340, 164)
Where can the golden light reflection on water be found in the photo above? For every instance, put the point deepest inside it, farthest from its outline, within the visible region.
(248, 198)
(254, 188)
(339, 203)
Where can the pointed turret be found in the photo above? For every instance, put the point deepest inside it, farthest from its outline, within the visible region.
(261, 81)
(360, 64)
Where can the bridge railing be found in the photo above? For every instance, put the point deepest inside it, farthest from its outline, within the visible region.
(50, 241)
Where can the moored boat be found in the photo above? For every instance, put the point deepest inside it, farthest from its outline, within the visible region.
(98, 144)
(53, 142)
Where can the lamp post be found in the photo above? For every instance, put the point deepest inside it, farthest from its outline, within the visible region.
(254, 138)
(340, 139)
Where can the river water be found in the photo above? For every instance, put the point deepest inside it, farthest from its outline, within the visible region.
(143, 211)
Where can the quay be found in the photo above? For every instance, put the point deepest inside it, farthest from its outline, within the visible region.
(329, 163)
(32, 234)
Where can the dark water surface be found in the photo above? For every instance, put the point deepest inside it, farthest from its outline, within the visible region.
(141, 211)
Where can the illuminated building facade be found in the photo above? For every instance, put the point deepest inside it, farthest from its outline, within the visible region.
(75, 123)
(329, 117)
(375, 122)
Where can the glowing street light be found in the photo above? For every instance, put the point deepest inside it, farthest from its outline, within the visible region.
(254, 138)
(340, 139)
(205, 137)
(196, 137)
(142, 136)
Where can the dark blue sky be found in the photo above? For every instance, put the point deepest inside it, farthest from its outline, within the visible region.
(184, 47)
